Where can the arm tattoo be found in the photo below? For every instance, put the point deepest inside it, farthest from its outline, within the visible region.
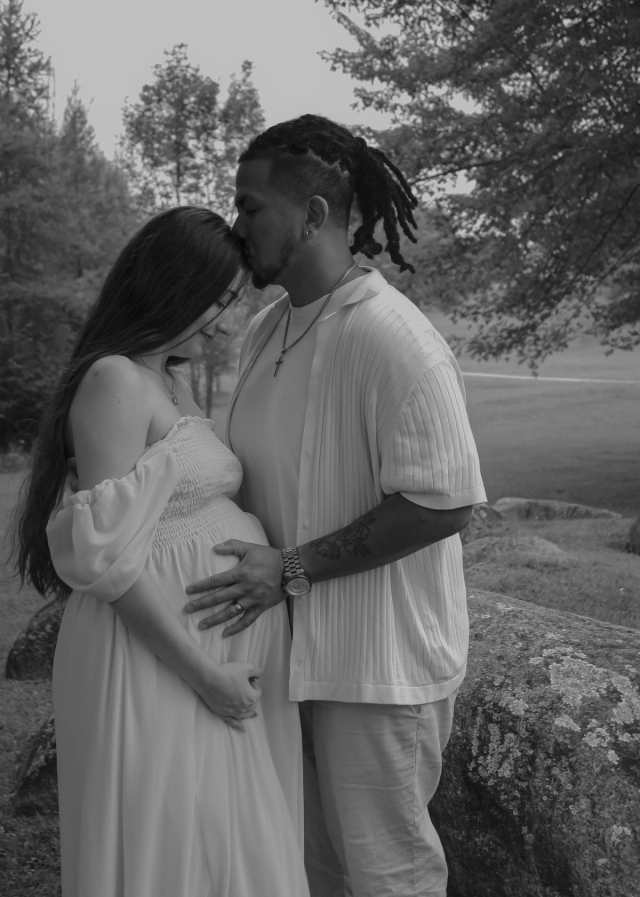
(351, 539)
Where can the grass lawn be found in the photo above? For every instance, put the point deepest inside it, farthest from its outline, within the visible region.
(599, 581)
(545, 439)
(567, 441)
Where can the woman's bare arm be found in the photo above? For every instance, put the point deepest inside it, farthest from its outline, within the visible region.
(109, 422)
(227, 689)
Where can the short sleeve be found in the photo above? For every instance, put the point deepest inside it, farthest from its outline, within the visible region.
(100, 538)
(430, 456)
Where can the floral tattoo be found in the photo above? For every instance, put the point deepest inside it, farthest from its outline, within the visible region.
(351, 539)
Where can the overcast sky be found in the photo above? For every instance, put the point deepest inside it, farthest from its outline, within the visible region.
(109, 47)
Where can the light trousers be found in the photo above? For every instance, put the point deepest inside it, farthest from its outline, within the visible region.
(370, 771)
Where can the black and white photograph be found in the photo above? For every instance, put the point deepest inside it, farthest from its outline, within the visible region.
(320, 448)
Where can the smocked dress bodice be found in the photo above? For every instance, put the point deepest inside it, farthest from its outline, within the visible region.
(210, 475)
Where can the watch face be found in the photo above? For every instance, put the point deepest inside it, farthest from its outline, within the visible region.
(298, 586)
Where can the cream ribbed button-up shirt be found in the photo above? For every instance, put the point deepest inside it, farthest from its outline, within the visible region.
(267, 428)
(385, 413)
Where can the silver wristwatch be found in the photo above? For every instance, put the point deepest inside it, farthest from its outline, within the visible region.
(295, 581)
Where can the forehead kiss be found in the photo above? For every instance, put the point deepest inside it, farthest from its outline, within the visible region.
(269, 223)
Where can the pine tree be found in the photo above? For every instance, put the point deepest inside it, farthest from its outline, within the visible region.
(26, 141)
(97, 211)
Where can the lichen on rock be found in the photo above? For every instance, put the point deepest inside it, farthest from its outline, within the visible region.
(544, 757)
(548, 509)
(526, 551)
(31, 655)
(633, 539)
(36, 790)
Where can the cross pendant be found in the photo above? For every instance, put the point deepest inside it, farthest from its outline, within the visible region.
(278, 363)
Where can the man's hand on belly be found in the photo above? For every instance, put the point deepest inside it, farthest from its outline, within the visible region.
(392, 530)
(255, 585)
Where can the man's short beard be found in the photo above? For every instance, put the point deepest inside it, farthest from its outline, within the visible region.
(269, 274)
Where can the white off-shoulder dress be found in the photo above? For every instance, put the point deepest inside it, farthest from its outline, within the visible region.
(158, 796)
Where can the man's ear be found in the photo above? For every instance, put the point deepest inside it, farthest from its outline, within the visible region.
(317, 215)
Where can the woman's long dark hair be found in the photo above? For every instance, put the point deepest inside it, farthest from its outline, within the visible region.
(165, 278)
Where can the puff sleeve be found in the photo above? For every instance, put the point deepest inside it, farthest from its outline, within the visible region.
(100, 538)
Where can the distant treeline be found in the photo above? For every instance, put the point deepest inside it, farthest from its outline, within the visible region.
(66, 210)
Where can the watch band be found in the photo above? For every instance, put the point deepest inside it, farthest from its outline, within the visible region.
(292, 565)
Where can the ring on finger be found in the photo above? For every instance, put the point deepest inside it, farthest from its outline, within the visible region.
(236, 609)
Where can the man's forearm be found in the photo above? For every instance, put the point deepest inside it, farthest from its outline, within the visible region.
(392, 530)
(386, 533)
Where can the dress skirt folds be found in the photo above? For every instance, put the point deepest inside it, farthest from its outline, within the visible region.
(158, 796)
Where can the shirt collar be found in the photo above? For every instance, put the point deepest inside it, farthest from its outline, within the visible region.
(357, 291)
(363, 288)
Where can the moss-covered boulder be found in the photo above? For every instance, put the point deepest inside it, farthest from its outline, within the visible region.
(485, 521)
(540, 793)
(36, 791)
(633, 539)
(31, 655)
(526, 551)
(548, 509)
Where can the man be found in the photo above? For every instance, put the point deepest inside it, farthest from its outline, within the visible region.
(358, 458)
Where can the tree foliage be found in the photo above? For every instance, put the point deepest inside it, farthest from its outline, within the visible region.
(536, 105)
(37, 328)
(180, 145)
(96, 212)
(64, 213)
(169, 133)
(241, 119)
(25, 140)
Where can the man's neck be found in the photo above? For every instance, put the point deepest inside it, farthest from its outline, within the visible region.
(317, 277)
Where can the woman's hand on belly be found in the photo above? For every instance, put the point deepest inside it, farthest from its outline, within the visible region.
(230, 690)
(227, 689)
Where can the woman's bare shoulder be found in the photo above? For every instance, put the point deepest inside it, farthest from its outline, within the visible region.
(109, 420)
(113, 370)
(111, 381)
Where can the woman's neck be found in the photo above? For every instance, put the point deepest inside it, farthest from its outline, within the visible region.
(156, 362)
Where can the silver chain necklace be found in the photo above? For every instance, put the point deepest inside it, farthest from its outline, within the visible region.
(286, 348)
(172, 391)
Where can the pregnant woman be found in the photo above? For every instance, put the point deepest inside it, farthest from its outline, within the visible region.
(179, 760)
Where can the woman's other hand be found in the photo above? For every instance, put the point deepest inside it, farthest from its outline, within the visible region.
(231, 691)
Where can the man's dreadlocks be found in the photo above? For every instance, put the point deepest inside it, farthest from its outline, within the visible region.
(316, 156)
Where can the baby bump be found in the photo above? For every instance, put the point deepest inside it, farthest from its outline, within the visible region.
(217, 521)
(178, 564)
